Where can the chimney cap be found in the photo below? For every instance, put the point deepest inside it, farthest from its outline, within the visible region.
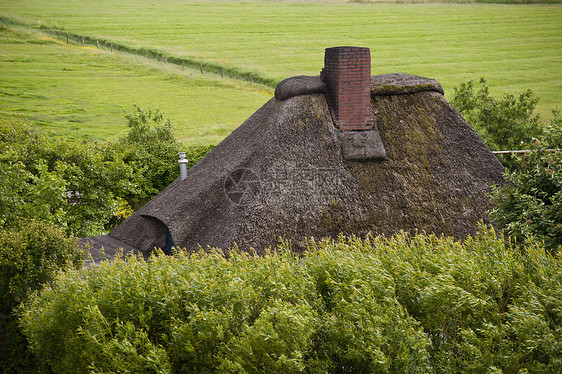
(348, 48)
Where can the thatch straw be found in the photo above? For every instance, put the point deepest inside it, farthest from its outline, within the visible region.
(282, 174)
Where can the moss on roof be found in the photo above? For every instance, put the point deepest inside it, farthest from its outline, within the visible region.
(281, 174)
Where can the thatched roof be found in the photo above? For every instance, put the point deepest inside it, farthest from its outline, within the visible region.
(282, 174)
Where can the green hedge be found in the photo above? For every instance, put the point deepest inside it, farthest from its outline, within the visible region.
(405, 304)
(30, 257)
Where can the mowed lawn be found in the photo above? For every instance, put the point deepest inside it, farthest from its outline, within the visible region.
(514, 46)
(85, 92)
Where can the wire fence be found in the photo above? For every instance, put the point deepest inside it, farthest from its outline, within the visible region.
(202, 66)
(526, 151)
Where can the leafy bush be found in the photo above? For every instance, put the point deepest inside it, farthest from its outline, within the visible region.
(552, 131)
(150, 149)
(30, 257)
(529, 205)
(477, 302)
(54, 180)
(83, 186)
(405, 304)
(507, 123)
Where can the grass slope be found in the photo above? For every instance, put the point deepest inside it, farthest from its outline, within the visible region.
(84, 92)
(515, 47)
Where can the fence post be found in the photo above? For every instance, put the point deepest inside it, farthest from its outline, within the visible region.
(222, 72)
(82, 41)
(183, 65)
(98, 43)
(251, 80)
(165, 59)
(201, 66)
(111, 46)
(66, 38)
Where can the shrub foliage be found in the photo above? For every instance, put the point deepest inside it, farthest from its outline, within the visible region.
(85, 187)
(30, 257)
(507, 123)
(150, 150)
(529, 205)
(55, 181)
(404, 304)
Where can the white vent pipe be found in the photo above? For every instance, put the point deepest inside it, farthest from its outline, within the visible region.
(183, 166)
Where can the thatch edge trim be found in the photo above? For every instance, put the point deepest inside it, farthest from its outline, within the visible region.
(400, 84)
(383, 85)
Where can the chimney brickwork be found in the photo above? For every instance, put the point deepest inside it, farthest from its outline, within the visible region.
(347, 73)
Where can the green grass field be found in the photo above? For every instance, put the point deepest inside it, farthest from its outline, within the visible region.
(514, 46)
(84, 92)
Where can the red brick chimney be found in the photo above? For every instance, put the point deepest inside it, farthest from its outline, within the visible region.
(347, 73)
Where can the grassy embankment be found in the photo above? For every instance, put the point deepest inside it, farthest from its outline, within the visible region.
(515, 47)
